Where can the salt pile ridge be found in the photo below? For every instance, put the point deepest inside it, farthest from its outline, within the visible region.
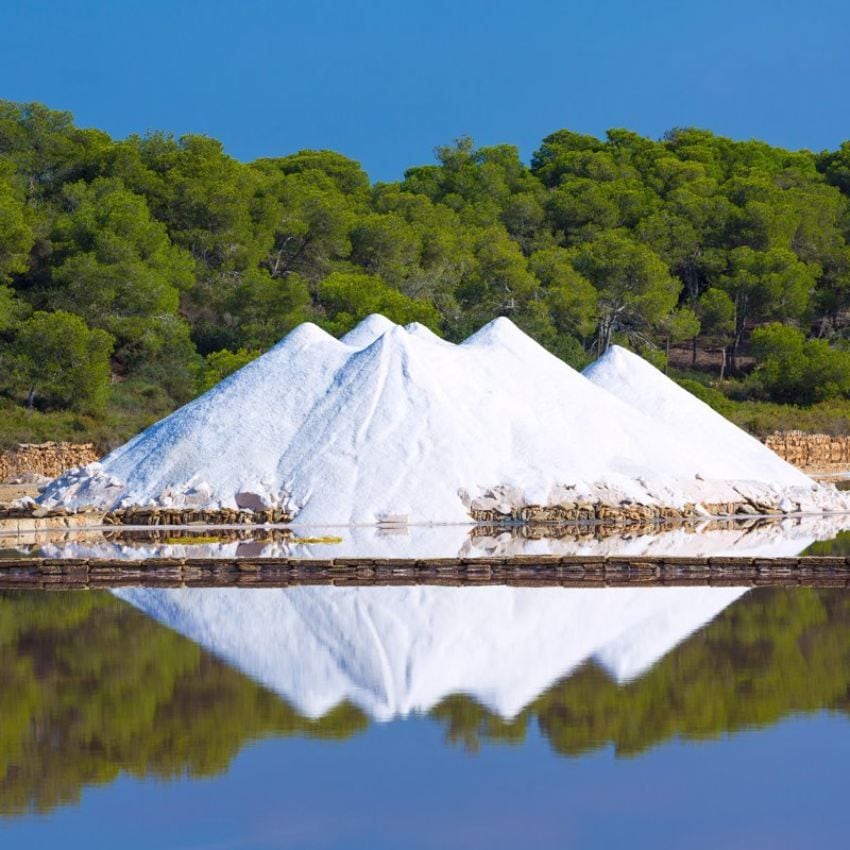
(392, 420)
(396, 650)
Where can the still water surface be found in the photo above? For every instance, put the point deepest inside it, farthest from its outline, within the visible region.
(381, 718)
(763, 537)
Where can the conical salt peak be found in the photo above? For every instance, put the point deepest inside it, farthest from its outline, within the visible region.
(304, 335)
(503, 333)
(421, 331)
(620, 354)
(622, 362)
(367, 331)
(395, 337)
(500, 330)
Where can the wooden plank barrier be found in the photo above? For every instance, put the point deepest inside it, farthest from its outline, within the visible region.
(517, 571)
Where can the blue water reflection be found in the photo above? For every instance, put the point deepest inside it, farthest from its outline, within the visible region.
(148, 725)
(399, 786)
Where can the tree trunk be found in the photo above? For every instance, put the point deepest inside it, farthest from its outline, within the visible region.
(694, 352)
(606, 332)
(722, 363)
(31, 398)
(733, 351)
(741, 305)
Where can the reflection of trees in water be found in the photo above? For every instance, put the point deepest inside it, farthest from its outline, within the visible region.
(839, 545)
(89, 687)
(772, 653)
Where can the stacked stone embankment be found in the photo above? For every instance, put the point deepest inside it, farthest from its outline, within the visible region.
(819, 454)
(46, 459)
(625, 514)
(517, 571)
(543, 516)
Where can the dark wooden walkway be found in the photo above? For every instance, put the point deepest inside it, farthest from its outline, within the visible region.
(525, 571)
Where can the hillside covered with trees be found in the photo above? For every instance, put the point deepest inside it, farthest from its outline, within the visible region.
(135, 273)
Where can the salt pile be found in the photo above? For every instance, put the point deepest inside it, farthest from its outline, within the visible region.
(396, 650)
(734, 453)
(394, 421)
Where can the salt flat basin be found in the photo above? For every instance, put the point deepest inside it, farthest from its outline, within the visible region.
(393, 651)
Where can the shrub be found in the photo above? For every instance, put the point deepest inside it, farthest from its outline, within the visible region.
(793, 369)
(58, 361)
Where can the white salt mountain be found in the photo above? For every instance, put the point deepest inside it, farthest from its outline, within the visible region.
(393, 651)
(733, 453)
(395, 421)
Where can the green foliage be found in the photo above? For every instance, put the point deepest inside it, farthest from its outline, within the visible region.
(179, 251)
(570, 298)
(762, 418)
(350, 297)
(836, 166)
(117, 269)
(12, 309)
(635, 289)
(772, 654)
(771, 284)
(46, 150)
(220, 364)
(711, 396)
(57, 359)
(794, 368)
(780, 350)
(257, 312)
(16, 236)
(679, 324)
(120, 693)
(716, 313)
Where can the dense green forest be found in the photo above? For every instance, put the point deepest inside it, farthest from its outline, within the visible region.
(135, 273)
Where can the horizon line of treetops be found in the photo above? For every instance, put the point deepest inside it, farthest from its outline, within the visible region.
(157, 264)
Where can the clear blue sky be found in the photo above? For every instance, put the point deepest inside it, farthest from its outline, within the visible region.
(385, 81)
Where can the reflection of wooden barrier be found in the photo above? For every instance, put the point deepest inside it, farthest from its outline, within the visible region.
(519, 571)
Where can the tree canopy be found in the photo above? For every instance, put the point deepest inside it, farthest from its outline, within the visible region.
(181, 253)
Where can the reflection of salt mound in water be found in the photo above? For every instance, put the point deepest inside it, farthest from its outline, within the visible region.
(759, 538)
(743, 538)
(393, 420)
(397, 650)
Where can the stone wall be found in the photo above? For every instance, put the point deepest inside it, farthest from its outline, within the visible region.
(516, 571)
(813, 453)
(48, 459)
